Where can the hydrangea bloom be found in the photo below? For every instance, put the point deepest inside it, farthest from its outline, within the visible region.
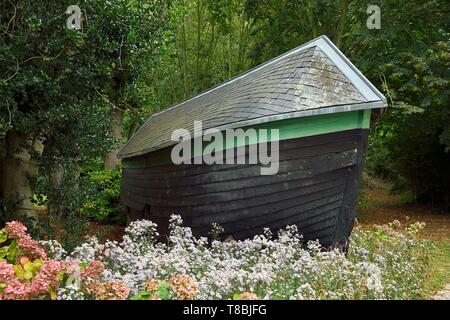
(17, 231)
(111, 290)
(184, 287)
(47, 276)
(6, 272)
(248, 296)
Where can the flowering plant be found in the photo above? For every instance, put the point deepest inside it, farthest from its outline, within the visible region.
(26, 272)
(383, 262)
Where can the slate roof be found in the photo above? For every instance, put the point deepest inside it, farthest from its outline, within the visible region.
(315, 78)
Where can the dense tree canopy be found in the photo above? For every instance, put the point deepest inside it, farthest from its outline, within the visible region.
(64, 91)
(69, 98)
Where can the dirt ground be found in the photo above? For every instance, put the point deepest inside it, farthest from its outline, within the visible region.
(378, 205)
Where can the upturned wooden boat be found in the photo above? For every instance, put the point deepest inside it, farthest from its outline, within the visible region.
(320, 104)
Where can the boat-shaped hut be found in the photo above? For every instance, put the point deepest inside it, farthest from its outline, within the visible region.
(320, 105)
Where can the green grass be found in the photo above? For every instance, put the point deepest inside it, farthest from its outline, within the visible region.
(439, 273)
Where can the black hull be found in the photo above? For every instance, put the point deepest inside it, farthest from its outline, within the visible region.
(316, 188)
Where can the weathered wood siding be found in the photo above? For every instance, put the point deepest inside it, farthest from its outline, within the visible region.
(316, 188)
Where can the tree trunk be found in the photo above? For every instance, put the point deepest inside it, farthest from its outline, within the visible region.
(185, 55)
(20, 168)
(116, 133)
(132, 130)
(314, 22)
(56, 177)
(342, 21)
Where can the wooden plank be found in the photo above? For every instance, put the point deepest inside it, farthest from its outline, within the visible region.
(315, 189)
(162, 197)
(295, 214)
(310, 167)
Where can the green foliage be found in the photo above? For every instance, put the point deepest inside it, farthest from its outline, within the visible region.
(3, 236)
(409, 60)
(28, 270)
(162, 292)
(142, 295)
(236, 296)
(283, 25)
(378, 161)
(69, 229)
(208, 44)
(58, 86)
(104, 202)
(10, 252)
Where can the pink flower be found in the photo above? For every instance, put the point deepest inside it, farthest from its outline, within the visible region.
(31, 248)
(14, 288)
(17, 231)
(39, 285)
(17, 290)
(93, 271)
(47, 276)
(6, 272)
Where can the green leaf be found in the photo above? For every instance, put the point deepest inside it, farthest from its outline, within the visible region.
(3, 236)
(19, 272)
(236, 296)
(4, 251)
(142, 295)
(30, 267)
(38, 263)
(28, 275)
(13, 252)
(163, 291)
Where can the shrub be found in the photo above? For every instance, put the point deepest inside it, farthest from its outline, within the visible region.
(104, 202)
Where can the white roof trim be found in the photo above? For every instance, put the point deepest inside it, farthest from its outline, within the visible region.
(303, 113)
(361, 83)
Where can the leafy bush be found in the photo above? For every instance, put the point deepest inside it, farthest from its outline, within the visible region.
(103, 204)
(385, 262)
(422, 159)
(378, 160)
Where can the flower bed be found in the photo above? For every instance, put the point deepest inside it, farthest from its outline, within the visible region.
(385, 262)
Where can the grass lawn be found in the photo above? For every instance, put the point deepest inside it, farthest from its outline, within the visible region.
(378, 206)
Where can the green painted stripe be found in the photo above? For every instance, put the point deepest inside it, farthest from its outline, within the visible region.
(288, 129)
(315, 125)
